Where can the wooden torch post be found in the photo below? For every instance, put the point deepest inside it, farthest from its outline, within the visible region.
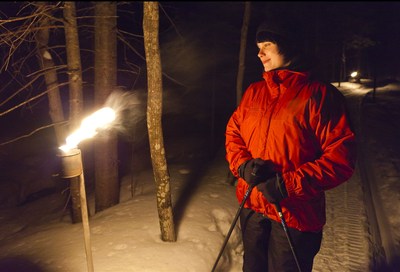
(72, 167)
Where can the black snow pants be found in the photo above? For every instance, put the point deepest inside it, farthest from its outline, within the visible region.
(266, 247)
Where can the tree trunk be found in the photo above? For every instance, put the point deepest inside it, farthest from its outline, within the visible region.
(242, 57)
(75, 93)
(154, 114)
(47, 65)
(242, 52)
(74, 65)
(105, 144)
(55, 105)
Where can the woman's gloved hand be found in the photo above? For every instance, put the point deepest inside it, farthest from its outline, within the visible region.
(257, 170)
(273, 189)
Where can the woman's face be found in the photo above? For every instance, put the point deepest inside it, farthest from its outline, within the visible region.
(270, 56)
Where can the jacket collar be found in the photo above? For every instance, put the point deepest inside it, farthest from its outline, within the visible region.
(285, 78)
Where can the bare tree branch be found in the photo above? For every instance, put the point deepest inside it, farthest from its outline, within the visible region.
(32, 132)
(32, 98)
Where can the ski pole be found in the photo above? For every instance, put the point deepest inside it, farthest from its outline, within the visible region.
(246, 195)
(279, 210)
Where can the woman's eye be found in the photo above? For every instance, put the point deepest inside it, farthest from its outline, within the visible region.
(265, 45)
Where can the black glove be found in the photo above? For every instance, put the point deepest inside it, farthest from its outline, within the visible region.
(255, 171)
(274, 189)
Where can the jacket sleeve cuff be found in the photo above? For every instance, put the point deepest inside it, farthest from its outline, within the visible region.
(288, 185)
(236, 165)
(281, 185)
(241, 168)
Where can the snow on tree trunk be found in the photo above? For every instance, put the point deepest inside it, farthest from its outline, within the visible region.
(47, 65)
(55, 105)
(154, 114)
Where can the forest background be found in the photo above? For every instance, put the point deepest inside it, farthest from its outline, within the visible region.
(64, 60)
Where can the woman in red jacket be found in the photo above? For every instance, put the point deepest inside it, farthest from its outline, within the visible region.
(289, 137)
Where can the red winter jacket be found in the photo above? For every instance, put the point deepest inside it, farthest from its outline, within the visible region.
(302, 127)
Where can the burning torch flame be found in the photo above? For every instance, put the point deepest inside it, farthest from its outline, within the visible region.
(89, 127)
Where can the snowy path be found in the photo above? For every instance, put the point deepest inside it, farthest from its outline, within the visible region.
(382, 163)
(346, 241)
(362, 231)
(345, 244)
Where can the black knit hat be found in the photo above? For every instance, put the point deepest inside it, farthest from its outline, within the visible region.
(276, 28)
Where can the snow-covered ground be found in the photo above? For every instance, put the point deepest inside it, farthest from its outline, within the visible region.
(38, 236)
